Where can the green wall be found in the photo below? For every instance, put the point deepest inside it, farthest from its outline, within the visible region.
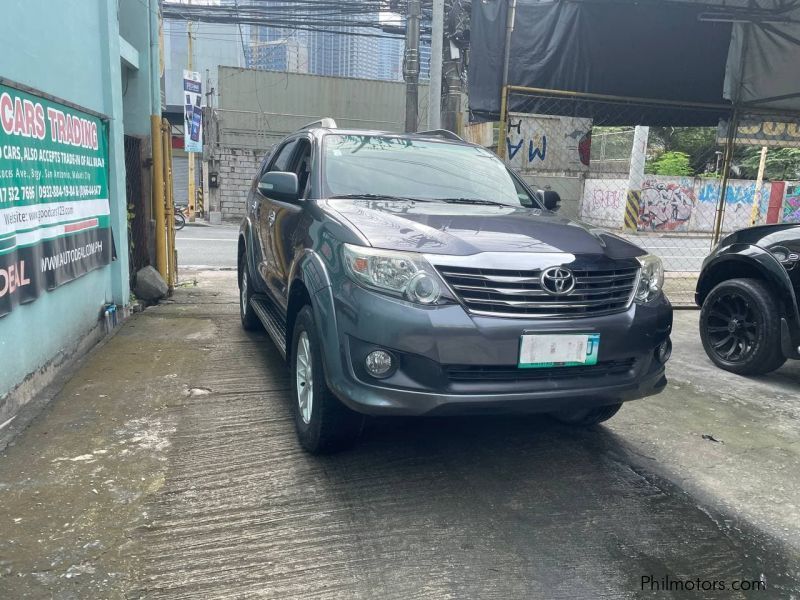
(71, 50)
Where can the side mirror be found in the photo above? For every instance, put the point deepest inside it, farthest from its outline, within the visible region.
(280, 185)
(550, 199)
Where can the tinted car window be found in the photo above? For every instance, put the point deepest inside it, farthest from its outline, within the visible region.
(283, 159)
(429, 169)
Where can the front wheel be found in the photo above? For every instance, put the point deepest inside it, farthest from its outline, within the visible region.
(180, 221)
(740, 327)
(250, 321)
(586, 417)
(323, 423)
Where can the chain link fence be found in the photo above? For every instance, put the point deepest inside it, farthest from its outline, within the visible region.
(659, 187)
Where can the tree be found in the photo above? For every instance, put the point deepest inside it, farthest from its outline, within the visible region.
(670, 163)
(699, 143)
(782, 163)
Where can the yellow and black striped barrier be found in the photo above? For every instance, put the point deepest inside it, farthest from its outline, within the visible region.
(632, 204)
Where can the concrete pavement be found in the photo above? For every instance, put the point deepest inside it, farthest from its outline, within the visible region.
(167, 467)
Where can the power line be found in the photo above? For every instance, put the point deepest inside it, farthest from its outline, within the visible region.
(346, 17)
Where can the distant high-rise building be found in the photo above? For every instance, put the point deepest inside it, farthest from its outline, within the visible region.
(346, 51)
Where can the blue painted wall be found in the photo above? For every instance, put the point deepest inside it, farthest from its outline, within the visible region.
(69, 50)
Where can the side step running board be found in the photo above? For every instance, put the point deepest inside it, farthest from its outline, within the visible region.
(272, 321)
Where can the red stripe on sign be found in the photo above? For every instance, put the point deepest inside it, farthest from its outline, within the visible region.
(88, 224)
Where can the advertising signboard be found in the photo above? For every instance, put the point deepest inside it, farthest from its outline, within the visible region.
(54, 201)
(193, 111)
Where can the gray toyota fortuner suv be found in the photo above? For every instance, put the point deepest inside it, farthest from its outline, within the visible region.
(414, 274)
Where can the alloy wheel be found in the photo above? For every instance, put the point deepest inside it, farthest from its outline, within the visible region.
(304, 376)
(243, 295)
(732, 327)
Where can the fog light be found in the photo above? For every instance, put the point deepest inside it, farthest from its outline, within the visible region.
(379, 363)
(664, 350)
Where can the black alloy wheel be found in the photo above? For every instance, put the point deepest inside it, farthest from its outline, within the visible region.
(740, 327)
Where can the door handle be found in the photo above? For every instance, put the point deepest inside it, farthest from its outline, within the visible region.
(271, 218)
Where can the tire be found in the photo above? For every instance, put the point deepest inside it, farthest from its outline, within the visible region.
(250, 321)
(586, 417)
(180, 221)
(324, 425)
(740, 327)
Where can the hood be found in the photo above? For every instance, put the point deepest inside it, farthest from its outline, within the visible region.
(463, 229)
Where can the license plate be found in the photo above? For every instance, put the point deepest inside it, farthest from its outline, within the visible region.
(558, 350)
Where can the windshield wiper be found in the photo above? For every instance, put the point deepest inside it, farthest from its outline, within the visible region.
(375, 197)
(471, 201)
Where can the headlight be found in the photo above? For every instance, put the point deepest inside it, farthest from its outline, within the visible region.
(404, 274)
(651, 279)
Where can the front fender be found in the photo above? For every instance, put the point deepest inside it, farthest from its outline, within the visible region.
(251, 248)
(746, 257)
(310, 270)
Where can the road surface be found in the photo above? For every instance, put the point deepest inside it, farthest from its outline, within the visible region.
(215, 247)
(679, 253)
(203, 247)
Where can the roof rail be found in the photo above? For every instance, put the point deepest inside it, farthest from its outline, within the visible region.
(442, 133)
(326, 122)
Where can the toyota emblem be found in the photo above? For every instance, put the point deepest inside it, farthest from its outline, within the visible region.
(557, 281)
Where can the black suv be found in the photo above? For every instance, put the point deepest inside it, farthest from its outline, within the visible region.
(749, 322)
(415, 274)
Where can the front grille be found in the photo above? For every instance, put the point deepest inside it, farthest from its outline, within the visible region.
(519, 293)
(469, 373)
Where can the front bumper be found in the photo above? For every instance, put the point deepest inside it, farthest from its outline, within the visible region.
(451, 361)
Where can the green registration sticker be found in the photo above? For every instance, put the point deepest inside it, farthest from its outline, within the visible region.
(538, 351)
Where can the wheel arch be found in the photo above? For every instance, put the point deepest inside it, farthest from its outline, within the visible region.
(752, 262)
(308, 277)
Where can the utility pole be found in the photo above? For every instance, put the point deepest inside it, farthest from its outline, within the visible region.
(411, 64)
(435, 83)
(452, 102)
(191, 190)
(511, 16)
(762, 165)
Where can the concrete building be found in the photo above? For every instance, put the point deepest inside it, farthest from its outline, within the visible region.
(90, 68)
(245, 131)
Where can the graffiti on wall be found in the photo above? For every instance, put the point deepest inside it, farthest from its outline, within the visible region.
(603, 201)
(548, 143)
(791, 204)
(667, 204)
(738, 203)
(681, 203)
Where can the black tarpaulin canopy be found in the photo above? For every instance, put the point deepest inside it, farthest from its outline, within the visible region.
(688, 51)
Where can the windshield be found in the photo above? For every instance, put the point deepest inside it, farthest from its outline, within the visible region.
(418, 169)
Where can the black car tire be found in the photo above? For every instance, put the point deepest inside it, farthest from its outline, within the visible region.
(586, 417)
(748, 299)
(250, 321)
(331, 426)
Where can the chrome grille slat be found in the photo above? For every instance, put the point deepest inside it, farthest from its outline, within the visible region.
(492, 278)
(538, 290)
(519, 293)
(529, 304)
